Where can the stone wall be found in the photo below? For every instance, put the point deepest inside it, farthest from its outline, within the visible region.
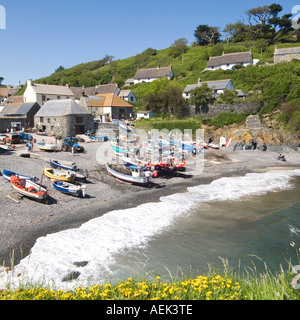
(65, 126)
(216, 109)
(5, 122)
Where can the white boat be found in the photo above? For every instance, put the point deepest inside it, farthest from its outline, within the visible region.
(132, 174)
(213, 146)
(47, 146)
(28, 188)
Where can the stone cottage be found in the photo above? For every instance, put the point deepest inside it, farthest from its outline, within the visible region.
(286, 54)
(64, 118)
(18, 116)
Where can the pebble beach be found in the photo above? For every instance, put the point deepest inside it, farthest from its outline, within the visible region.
(23, 221)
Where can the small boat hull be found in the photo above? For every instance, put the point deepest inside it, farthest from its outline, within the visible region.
(57, 175)
(69, 188)
(57, 165)
(8, 174)
(28, 188)
(144, 180)
(47, 146)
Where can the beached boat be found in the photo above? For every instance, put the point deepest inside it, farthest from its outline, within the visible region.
(213, 146)
(58, 174)
(28, 188)
(60, 165)
(126, 127)
(69, 188)
(8, 174)
(7, 148)
(78, 175)
(132, 174)
(100, 138)
(118, 150)
(47, 146)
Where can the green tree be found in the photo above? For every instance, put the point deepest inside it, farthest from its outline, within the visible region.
(202, 97)
(60, 68)
(168, 100)
(178, 48)
(207, 35)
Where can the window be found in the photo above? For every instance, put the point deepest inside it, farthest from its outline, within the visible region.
(58, 98)
(43, 98)
(48, 120)
(41, 119)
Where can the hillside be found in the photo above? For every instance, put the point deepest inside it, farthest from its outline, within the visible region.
(274, 86)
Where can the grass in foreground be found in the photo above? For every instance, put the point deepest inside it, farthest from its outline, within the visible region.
(212, 287)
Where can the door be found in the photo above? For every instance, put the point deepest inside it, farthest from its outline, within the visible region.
(79, 129)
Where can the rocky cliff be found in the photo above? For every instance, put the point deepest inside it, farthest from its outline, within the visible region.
(256, 135)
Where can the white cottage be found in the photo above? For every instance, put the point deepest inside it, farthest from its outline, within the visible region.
(42, 93)
(151, 74)
(128, 96)
(218, 87)
(228, 61)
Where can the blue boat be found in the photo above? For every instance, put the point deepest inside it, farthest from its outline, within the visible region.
(8, 174)
(57, 165)
(69, 188)
(99, 138)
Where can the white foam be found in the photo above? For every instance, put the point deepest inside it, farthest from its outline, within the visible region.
(98, 240)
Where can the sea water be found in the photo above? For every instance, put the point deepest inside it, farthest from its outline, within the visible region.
(249, 220)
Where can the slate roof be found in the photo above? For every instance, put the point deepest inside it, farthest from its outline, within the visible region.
(52, 89)
(9, 91)
(26, 107)
(215, 85)
(59, 108)
(231, 58)
(17, 109)
(287, 50)
(91, 91)
(124, 93)
(158, 72)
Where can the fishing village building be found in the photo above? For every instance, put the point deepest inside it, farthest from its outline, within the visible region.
(286, 54)
(116, 108)
(63, 118)
(42, 93)
(228, 61)
(18, 116)
(218, 87)
(128, 96)
(151, 74)
(92, 91)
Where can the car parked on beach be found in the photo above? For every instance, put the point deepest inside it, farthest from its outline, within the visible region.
(12, 138)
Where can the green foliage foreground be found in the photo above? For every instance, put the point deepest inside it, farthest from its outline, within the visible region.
(212, 286)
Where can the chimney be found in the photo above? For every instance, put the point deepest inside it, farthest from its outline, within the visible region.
(29, 83)
(68, 86)
(158, 67)
(223, 53)
(199, 80)
(82, 91)
(276, 47)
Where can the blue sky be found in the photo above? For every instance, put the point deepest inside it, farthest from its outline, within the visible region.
(42, 35)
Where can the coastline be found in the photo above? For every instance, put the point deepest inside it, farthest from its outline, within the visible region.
(24, 223)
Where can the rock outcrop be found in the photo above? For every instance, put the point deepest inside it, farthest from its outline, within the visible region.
(254, 135)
